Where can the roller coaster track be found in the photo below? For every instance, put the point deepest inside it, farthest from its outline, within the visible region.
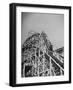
(58, 62)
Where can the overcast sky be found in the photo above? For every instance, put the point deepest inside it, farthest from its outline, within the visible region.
(51, 24)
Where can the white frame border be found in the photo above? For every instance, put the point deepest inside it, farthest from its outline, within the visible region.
(20, 80)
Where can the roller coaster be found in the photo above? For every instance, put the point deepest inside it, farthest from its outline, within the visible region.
(39, 58)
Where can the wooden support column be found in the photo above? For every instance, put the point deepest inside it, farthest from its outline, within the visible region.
(23, 70)
(50, 66)
(35, 62)
(43, 64)
(38, 62)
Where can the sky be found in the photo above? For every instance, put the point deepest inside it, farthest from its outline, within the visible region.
(51, 24)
